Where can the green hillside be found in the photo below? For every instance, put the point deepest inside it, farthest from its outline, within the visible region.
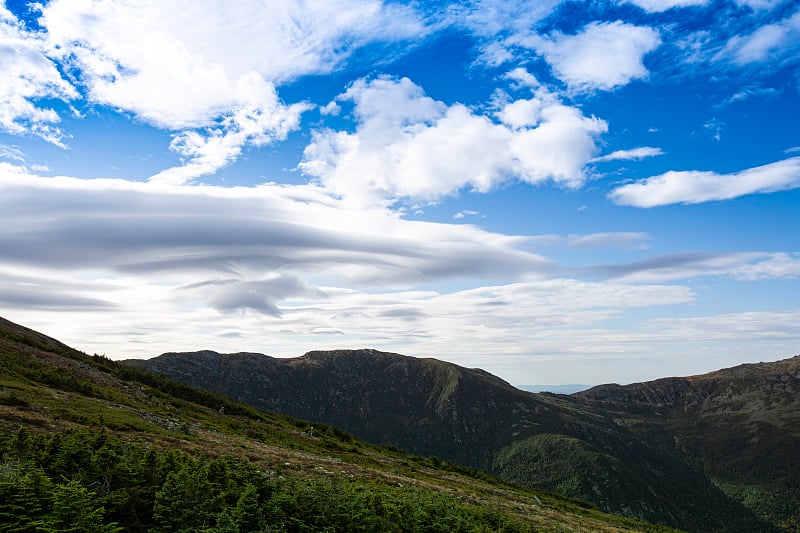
(87, 444)
(619, 461)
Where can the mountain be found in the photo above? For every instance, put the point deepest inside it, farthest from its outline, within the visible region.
(88, 444)
(570, 388)
(588, 446)
(741, 425)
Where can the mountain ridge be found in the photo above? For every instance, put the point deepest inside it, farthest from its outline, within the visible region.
(90, 444)
(584, 445)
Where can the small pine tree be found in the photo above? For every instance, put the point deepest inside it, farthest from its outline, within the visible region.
(74, 511)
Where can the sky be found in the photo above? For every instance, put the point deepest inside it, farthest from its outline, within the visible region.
(554, 191)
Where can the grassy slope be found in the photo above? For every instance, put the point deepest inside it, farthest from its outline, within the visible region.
(49, 388)
(473, 418)
(741, 425)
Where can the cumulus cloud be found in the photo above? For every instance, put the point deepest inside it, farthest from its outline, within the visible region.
(29, 78)
(603, 55)
(694, 187)
(182, 66)
(634, 154)
(407, 145)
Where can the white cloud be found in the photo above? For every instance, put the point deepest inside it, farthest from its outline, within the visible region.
(741, 266)
(604, 55)
(257, 121)
(11, 153)
(750, 91)
(739, 327)
(610, 239)
(407, 145)
(147, 229)
(181, 64)
(772, 266)
(761, 4)
(27, 78)
(168, 267)
(617, 239)
(769, 42)
(331, 109)
(693, 187)
(635, 154)
(497, 18)
(500, 25)
(659, 6)
(205, 70)
(262, 295)
(465, 212)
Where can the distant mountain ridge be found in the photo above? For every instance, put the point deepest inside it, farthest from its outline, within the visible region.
(569, 388)
(638, 450)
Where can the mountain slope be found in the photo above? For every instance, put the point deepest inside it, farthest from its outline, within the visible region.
(468, 416)
(742, 425)
(88, 443)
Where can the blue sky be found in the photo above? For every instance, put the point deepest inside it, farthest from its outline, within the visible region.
(556, 192)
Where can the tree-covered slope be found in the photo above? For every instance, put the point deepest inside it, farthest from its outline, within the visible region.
(470, 417)
(87, 444)
(741, 425)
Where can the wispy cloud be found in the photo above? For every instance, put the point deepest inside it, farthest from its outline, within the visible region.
(27, 79)
(742, 266)
(465, 212)
(694, 187)
(769, 42)
(11, 153)
(258, 121)
(634, 154)
(625, 240)
(659, 6)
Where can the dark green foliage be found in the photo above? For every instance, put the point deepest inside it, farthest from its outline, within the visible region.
(153, 455)
(96, 494)
(625, 449)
